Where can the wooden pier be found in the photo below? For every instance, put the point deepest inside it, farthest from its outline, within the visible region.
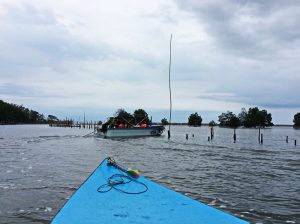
(72, 124)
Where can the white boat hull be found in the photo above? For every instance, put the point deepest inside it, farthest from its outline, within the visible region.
(155, 130)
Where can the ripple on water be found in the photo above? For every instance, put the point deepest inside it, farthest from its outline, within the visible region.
(41, 167)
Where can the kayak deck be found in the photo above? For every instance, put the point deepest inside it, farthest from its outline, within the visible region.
(154, 204)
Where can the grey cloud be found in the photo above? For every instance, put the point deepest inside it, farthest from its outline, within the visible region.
(32, 38)
(13, 89)
(27, 90)
(16, 90)
(249, 28)
(281, 96)
(28, 14)
(164, 13)
(283, 105)
(257, 56)
(38, 32)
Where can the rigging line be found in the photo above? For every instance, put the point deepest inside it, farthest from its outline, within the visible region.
(126, 120)
(120, 180)
(93, 132)
(142, 120)
(170, 116)
(116, 181)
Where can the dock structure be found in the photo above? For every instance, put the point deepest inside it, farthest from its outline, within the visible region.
(71, 124)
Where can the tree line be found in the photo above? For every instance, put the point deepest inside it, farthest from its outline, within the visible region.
(254, 117)
(17, 114)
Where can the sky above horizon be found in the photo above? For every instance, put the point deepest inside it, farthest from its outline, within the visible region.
(68, 57)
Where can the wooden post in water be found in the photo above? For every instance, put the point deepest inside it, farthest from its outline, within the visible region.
(295, 142)
(259, 134)
(234, 136)
(84, 120)
(261, 138)
(187, 136)
(212, 133)
(208, 138)
(287, 139)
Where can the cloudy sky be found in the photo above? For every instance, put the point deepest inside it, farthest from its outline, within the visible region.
(74, 56)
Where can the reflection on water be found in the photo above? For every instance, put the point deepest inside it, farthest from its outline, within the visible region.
(40, 168)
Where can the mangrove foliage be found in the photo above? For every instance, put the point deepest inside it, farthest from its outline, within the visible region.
(195, 120)
(15, 114)
(297, 120)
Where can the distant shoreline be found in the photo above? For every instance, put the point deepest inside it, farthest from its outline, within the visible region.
(155, 123)
(24, 124)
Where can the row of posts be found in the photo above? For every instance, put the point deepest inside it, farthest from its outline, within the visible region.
(260, 137)
(87, 125)
(287, 140)
(212, 133)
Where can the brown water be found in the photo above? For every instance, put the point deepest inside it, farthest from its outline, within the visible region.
(40, 168)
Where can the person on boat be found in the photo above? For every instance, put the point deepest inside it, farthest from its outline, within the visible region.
(104, 128)
(121, 125)
(144, 125)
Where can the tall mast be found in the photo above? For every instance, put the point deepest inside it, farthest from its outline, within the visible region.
(170, 116)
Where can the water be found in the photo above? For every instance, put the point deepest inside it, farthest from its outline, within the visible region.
(40, 168)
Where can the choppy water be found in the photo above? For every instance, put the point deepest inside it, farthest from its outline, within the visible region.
(40, 168)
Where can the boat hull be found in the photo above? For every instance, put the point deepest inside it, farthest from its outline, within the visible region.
(156, 205)
(155, 130)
